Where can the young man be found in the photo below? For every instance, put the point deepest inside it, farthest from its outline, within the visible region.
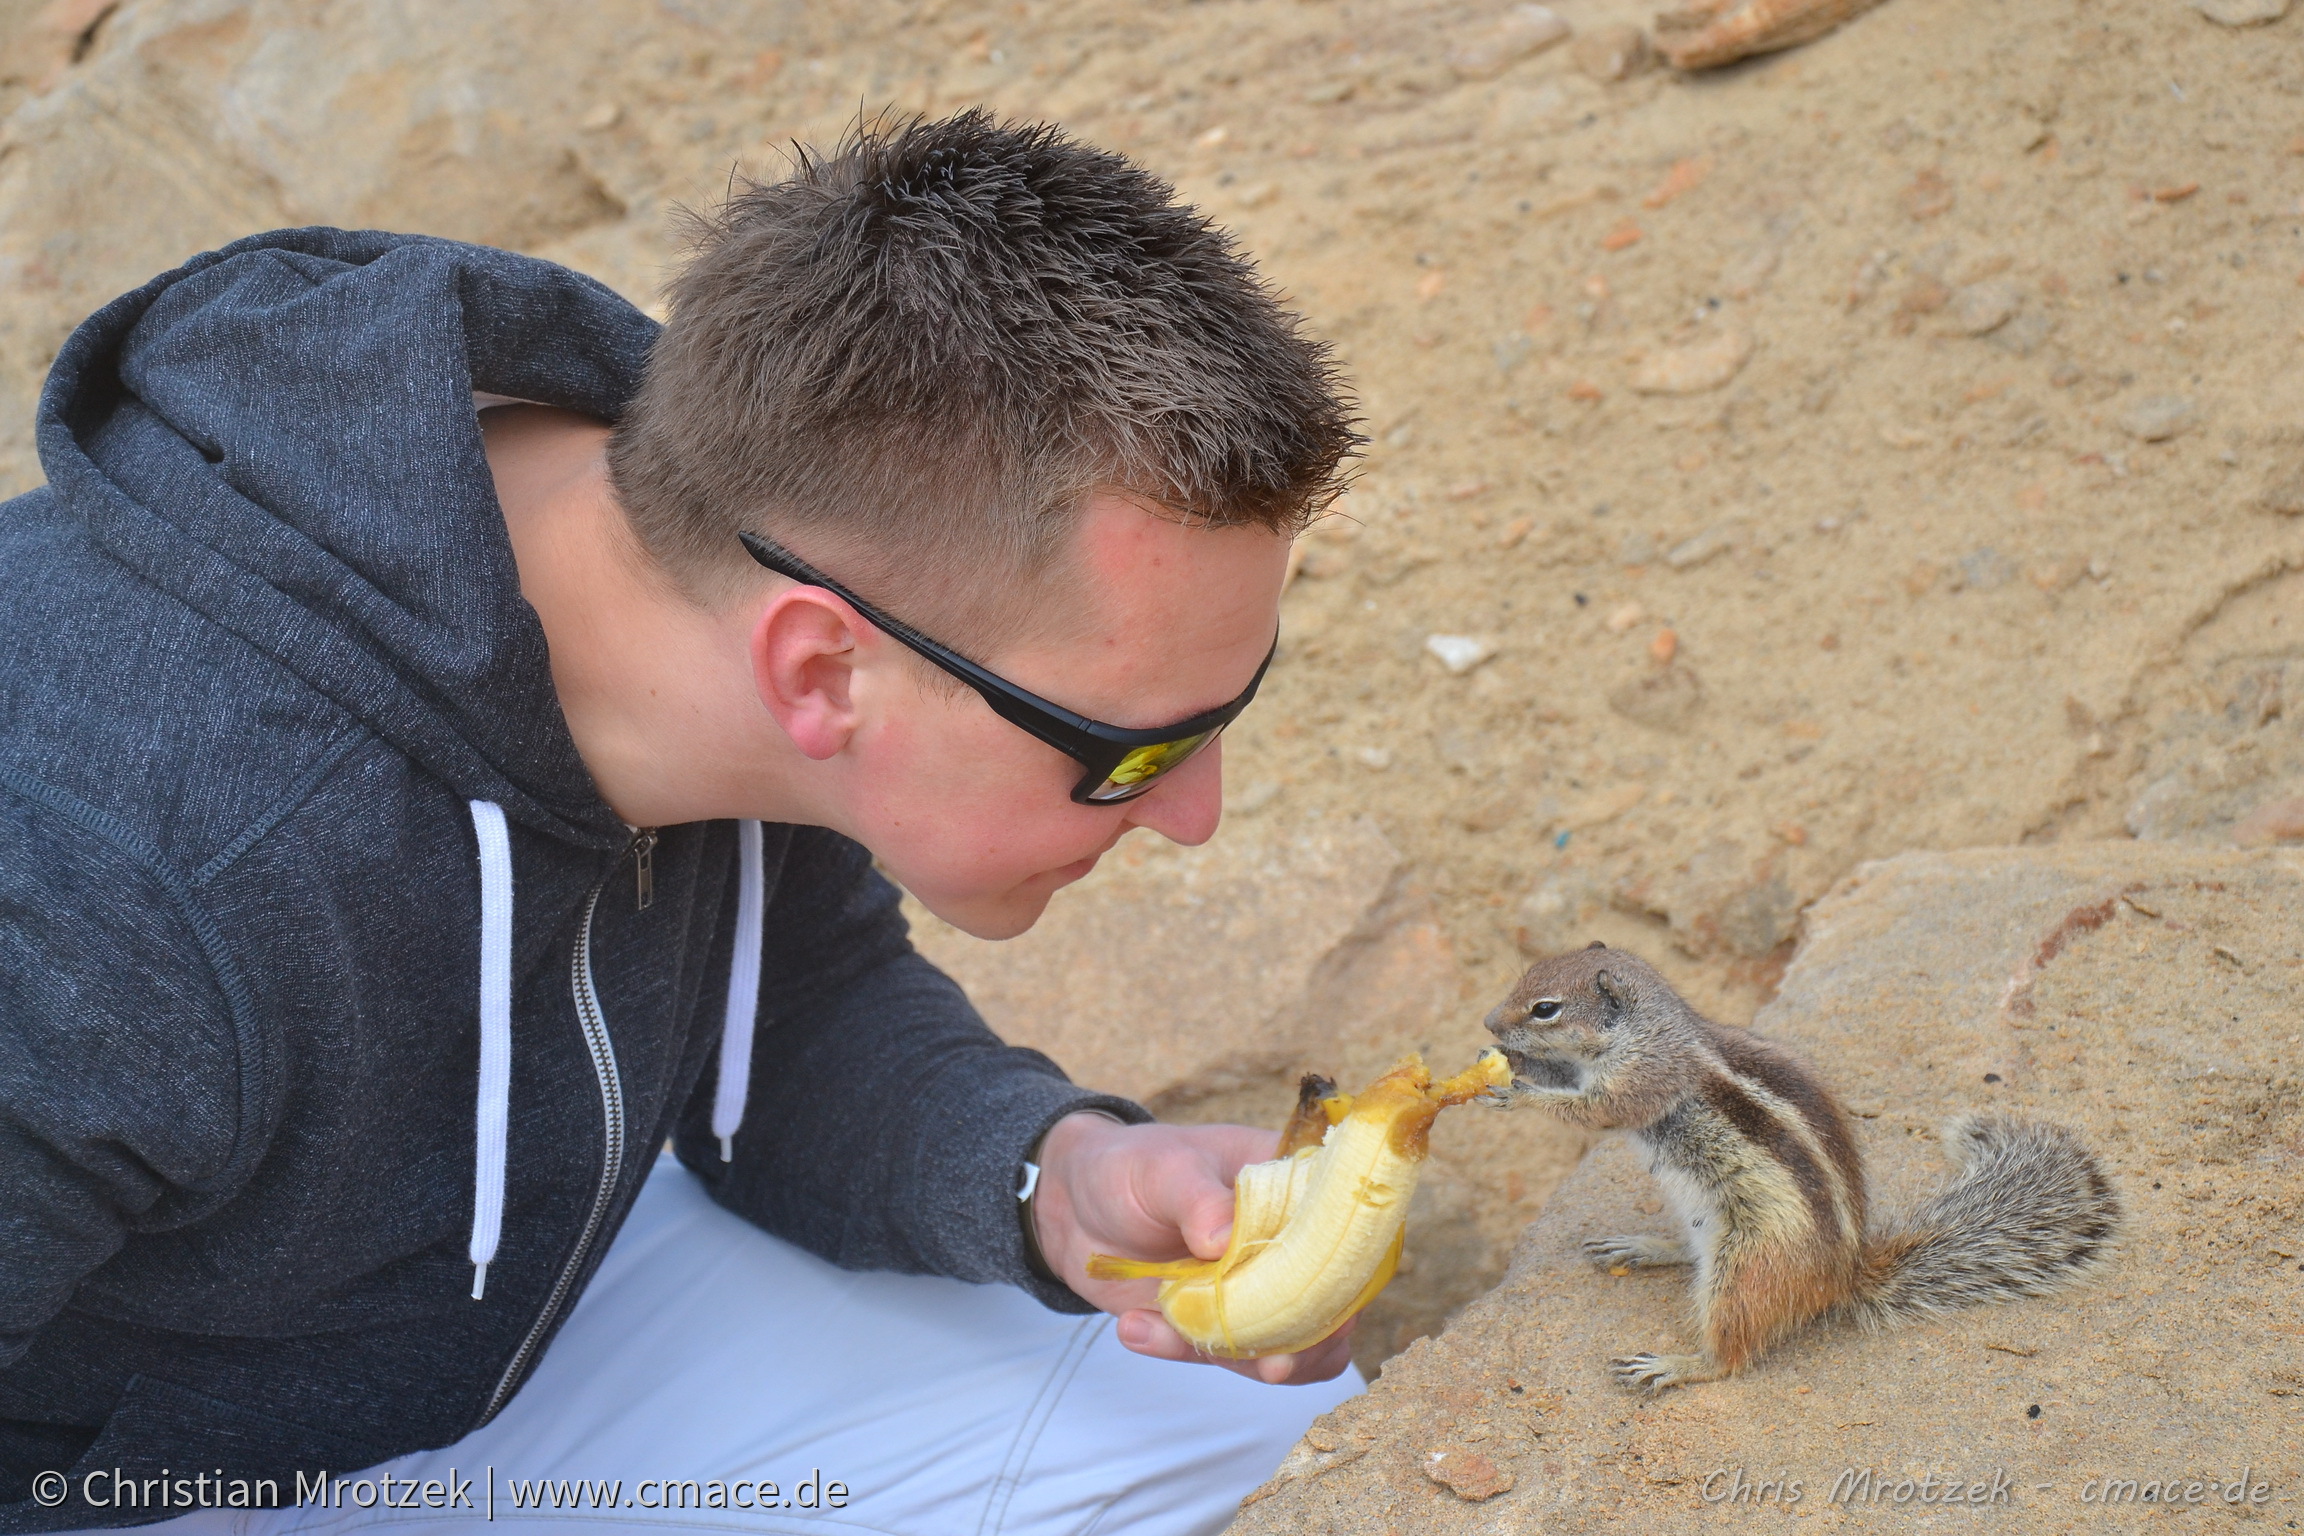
(447, 732)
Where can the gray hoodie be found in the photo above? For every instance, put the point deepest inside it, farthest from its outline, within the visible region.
(324, 974)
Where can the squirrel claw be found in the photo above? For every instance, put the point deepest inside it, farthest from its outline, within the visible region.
(1656, 1372)
(1619, 1254)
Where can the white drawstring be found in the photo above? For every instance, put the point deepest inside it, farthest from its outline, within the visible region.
(493, 1114)
(735, 1082)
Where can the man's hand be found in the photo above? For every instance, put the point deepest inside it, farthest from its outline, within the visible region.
(1155, 1192)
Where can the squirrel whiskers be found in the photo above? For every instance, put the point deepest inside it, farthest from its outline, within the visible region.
(1755, 1157)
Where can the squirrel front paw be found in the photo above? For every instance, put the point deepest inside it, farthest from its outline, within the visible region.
(1620, 1254)
(1654, 1373)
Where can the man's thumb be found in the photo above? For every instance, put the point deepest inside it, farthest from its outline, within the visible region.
(1207, 1224)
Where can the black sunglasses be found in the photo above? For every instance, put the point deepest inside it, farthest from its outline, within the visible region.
(1121, 764)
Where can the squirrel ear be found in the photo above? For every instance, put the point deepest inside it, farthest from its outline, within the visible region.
(1595, 944)
(1618, 995)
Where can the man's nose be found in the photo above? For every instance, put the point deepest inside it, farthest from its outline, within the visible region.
(1185, 806)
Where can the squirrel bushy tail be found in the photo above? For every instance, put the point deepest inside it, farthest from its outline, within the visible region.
(2028, 1212)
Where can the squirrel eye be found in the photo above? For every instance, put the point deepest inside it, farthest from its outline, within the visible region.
(1547, 1009)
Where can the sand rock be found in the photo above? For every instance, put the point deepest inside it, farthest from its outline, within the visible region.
(2149, 997)
(2156, 418)
(2023, 334)
(1978, 308)
(2220, 776)
(1523, 30)
(1692, 552)
(2241, 13)
(2275, 821)
(1722, 899)
(1467, 1474)
(192, 123)
(1695, 368)
(2284, 492)
(1666, 699)
(1554, 915)
(1459, 653)
(1986, 570)
(1611, 52)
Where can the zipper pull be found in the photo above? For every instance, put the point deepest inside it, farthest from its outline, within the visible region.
(644, 868)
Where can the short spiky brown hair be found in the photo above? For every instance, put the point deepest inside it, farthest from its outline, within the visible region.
(917, 356)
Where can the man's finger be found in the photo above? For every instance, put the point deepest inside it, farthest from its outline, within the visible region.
(1146, 1332)
(1324, 1361)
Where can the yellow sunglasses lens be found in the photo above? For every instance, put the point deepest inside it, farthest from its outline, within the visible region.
(1145, 764)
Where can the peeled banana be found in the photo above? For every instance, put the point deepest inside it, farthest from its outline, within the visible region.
(1315, 1232)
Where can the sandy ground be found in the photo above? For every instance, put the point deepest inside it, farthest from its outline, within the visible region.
(1974, 526)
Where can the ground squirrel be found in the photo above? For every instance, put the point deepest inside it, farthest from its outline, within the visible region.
(1755, 1157)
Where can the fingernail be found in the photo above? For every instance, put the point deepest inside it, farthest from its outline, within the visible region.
(1133, 1330)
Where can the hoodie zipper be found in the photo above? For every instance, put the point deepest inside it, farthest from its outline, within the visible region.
(643, 868)
(603, 1052)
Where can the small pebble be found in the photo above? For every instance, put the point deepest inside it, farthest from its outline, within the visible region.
(2241, 13)
(2284, 494)
(1254, 798)
(1616, 51)
(1684, 177)
(1690, 553)
(2057, 574)
(1929, 195)
(2156, 418)
(1524, 30)
(1377, 758)
(1664, 700)
(1467, 1474)
(2023, 334)
(1982, 307)
(1625, 617)
(1459, 653)
(1986, 570)
(1664, 647)
(2275, 821)
(1693, 369)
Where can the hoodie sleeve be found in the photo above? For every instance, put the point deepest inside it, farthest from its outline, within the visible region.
(120, 1073)
(886, 1125)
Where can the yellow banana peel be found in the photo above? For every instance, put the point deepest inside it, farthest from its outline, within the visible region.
(1316, 1232)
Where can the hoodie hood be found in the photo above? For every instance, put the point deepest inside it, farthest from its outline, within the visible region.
(281, 434)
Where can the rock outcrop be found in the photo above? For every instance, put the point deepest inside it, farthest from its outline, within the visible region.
(2149, 995)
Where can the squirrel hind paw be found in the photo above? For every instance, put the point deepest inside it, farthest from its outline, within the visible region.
(1635, 1252)
(1654, 1373)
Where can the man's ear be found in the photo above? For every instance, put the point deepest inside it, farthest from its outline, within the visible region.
(804, 656)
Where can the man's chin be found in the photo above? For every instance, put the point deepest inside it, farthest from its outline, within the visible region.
(1010, 912)
(998, 918)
